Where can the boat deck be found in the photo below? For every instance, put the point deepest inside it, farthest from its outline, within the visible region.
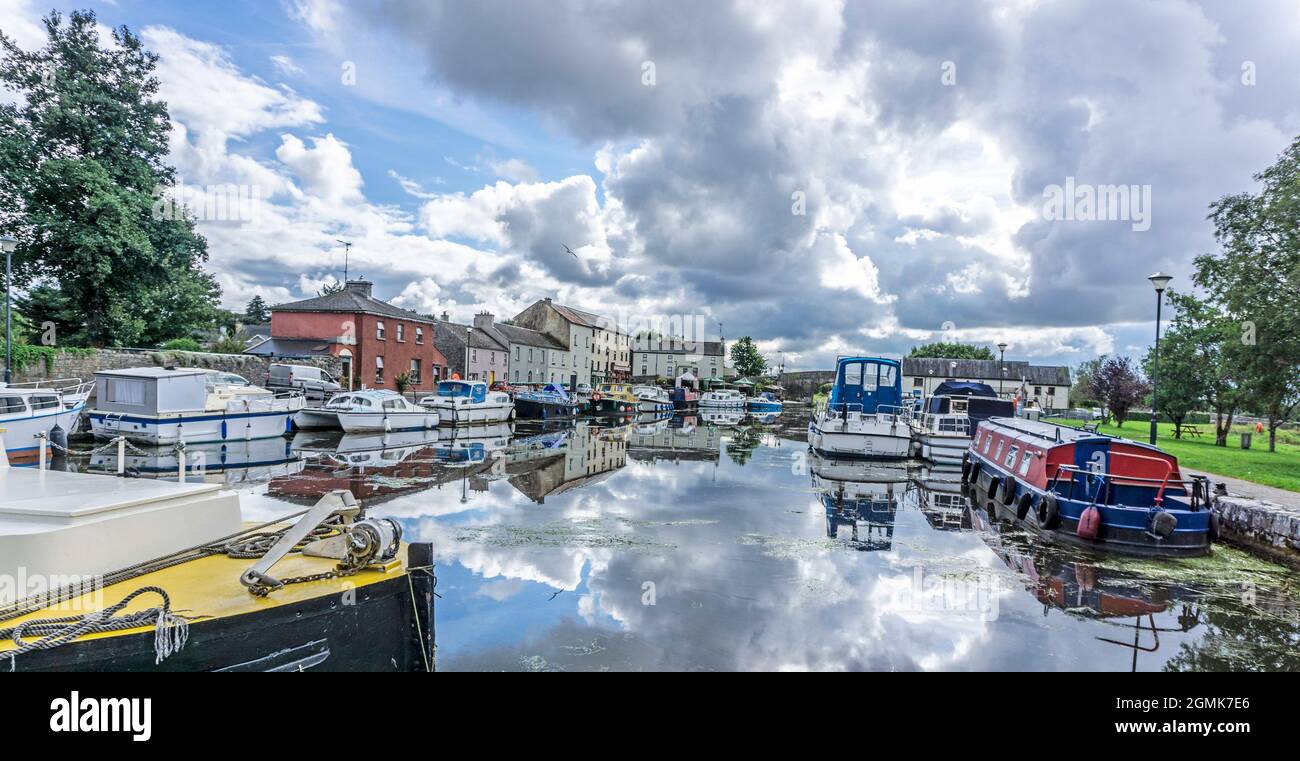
(27, 493)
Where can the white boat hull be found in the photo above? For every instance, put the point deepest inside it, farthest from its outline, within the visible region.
(860, 435)
(21, 433)
(650, 405)
(473, 414)
(316, 420)
(370, 422)
(718, 405)
(944, 450)
(197, 428)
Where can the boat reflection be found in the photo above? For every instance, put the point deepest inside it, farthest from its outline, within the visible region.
(860, 497)
(232, 463)
(937, 494)
(674, 439)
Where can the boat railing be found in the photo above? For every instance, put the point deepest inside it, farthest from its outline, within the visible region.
(956, 424)
(1196, 487)
(61, 386)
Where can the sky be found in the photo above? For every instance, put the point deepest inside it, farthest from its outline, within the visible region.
(830, 178)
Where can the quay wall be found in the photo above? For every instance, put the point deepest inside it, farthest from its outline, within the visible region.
(801, 385)
(1269, 528)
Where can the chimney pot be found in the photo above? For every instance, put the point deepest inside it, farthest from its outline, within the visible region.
(363, 287)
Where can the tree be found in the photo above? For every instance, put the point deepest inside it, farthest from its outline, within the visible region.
(1081, 392)
(333, 286)
(82, 175)
(257, 312)
(942, 350)
(1118, 385)
(746, 358)
(1214, 338)
(1180, 376)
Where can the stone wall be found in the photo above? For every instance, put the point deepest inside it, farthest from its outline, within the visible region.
(801, 385)
(256, 369)
(1261, 524)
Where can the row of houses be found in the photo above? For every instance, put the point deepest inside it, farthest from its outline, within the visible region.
(1047, 385)
(546, 343)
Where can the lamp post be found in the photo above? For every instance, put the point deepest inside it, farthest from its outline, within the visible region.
(8, 244)
(1159, 281)
(1002, 369)
(469, 333)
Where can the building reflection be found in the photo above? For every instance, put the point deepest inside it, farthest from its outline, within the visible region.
(557, 461)
(674, 439)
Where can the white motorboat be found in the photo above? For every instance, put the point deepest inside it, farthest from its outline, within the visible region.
(385, 412)
(652, 399)
(29, 410)
(469, 403)
(948, 418)
(863, 416)
(326, 416)
(158, 406)
(724, 398)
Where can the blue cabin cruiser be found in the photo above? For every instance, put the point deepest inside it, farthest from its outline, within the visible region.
(460, 402)
(765, 402)
(865, 415)
(546, 403)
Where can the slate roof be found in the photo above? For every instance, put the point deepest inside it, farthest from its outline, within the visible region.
(675, 345)
(527, 337)
(933, 367)
(350, 301)
(291, 347)
(452, 332)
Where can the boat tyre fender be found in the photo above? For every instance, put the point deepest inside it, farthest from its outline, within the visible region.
(1049, 513)
(965, 467)
(993, 486)
(1214, 526)
(975, 471)
(1022, 507)
(1008, 491)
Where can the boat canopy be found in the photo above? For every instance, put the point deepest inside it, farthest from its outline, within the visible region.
(866, 383)
(964, 388)
(476, 392)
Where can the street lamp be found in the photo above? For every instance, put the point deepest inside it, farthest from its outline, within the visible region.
(1159, 281)
(469, 332)
(9, 244)
(1002, 370)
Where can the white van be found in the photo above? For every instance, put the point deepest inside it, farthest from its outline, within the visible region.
(313, 382)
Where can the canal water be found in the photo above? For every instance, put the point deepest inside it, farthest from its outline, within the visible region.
(719, 542)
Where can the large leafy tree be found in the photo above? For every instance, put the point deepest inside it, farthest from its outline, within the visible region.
(746, 358)
(1215, 340)
(943, 350)
(82, 166)
(1118, 385)
(1180, 374)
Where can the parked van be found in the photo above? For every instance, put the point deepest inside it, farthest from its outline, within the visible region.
(313, 382)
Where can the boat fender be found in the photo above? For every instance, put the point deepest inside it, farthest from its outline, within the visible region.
(1089, 523)
(965, 467)
(1163, 524)
(993, 486)
(1049, 513)
(1214, 526)
(1022, 507)
(1008, 491)
(975, 470)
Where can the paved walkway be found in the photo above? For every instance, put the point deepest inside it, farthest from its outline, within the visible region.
(1248, 489)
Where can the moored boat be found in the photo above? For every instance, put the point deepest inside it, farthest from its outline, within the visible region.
(29, 411)
(386, 412)
(945, 421)
(614, 399)
(1089, 489)
(765, 402)
(863, 416)
(326, 416)
(546, 403)
(469, 403)
(652, 399)
(686, 392)
(158, 406)
(723, 398)
(142, 575)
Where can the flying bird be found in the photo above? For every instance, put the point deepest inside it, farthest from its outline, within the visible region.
(566, 248)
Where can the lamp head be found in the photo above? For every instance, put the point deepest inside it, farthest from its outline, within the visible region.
(1002, 346)
(8, 244)
(1160, 281)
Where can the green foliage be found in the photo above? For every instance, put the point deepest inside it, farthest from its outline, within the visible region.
(942, 350)
(182, 344)
(332, 286)
(402, 382)
(83, 160)
(227, 344)
(746, 358)
(257, 312)
(1180, 376)
(1081, 392)
(1118, 385)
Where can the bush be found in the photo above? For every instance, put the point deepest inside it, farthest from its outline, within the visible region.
(1193, 418)
(227, 344)
(182, 344)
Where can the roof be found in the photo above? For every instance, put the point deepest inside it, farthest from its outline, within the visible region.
(527, 337)
(152, 372)
(455, 333)
(350, 301)
(291, 347)
(677, 345)
(936, 367)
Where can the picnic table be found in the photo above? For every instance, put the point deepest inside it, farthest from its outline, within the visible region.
(1190, 430)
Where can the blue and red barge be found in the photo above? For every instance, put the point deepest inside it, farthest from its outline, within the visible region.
(1088, 489)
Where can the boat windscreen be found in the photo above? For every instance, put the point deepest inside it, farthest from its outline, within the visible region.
(983, 408)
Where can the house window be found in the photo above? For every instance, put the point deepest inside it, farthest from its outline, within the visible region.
(473, 355)
(379, 330)
(493, 357)
(1038, 390)
(1051, 390)
(516, 376)
(530, 376)
(415, 371)
(530, 355)
(419, 335)
(644, 370)
(516, 353)
(379, 369)
(401, 332)
(917, 382)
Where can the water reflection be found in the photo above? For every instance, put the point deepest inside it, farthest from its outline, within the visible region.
(716, 541)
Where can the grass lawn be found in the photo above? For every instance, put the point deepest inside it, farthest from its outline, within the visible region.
(1280, 469)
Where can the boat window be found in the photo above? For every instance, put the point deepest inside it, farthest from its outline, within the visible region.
(1010, 462)
(11, 405)
(124, 391)
(340, 401)
(869, 372)
(394, 404)
(361, 402)
(1024, 464)
(979, 434)
(888, 375)
(1001, 445)
(853, 374)
(45, 403)
(988, 442)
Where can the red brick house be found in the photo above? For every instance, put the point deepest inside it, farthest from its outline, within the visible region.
(374, 340)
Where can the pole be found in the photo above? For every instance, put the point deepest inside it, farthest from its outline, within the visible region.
(1002, 371)
(1155, 369)
(9, 328)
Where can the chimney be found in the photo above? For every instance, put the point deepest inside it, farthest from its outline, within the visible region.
(446, 316)
(483, 320)
(362, 287)
(547, 299)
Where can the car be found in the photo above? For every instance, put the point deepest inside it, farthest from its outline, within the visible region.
(584, 388)
(313, 382)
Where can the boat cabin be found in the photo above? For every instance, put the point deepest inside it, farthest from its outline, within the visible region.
(865, 384)
(476, 392)
(150, 390)
(977, 401)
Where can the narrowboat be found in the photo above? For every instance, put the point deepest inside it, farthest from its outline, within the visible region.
(652, 399)
(326, 416)
(386, 412)
(460, 402)
(1088, 489)
(863, 416)
(28, 411)
(545, 404)
(723, 398)
(614, 399)
(116, 574)
(685, 393)
(161, 406)
(765, 402)
(946, 420)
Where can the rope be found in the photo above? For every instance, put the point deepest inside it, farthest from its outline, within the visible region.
(171, 632)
